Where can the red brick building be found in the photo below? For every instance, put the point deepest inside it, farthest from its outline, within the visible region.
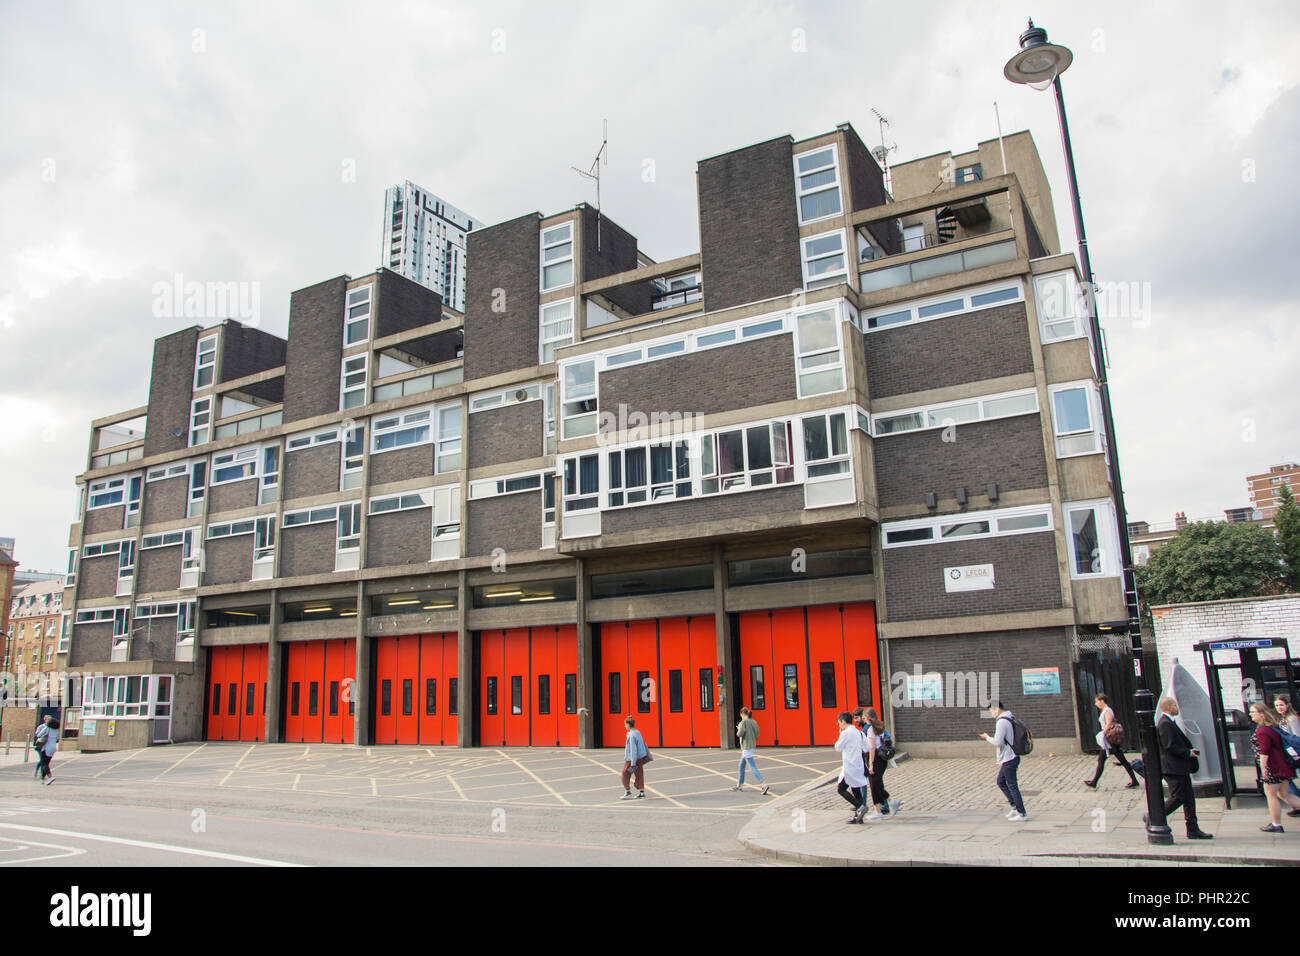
(1266, 489)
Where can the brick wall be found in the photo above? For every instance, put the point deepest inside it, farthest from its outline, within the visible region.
(228, 560)
(1024, 570)
(509, 433)
(867, 190)
(235, 494)
(400, 537)
(311, 471)
(158, 569)
(1008, 451)
(245, 351)
(103, 519)
(749, 226)
(617, 253)
(308, 549)
(504, 257)
(97, 578)
(1003, 654)
(314, 356)
(401, 464)
(403, 304)
(718, 380)
(989, 343)
(165, 500)
(171, 387)
(91, 643)
(510, 522)
(687, 513)
(162, 631)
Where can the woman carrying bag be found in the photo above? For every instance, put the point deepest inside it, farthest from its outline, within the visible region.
(1111, 740)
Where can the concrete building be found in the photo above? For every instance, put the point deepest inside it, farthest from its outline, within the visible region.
(849, 468)
(424, 239)
(1266, 489)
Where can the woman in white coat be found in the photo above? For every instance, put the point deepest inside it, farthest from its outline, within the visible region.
(853, 777)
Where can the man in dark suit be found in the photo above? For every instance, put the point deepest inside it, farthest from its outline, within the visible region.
(1178, 761)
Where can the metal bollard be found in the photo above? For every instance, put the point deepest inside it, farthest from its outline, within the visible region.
(27, 747)
(8, 740)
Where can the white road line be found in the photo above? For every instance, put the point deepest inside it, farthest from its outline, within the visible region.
(166, 847)
(181, 761)
(66, 851)
(133, 753)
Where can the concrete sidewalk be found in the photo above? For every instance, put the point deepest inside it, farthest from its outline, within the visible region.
(953, 814)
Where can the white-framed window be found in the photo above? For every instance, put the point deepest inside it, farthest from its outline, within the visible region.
(557, 257)
(644, 473)
(1062, 312)
(352, 388)
(751, 456)
(716, 336)
(556, 325)
(817, 184)
(404, 502)
(229, 529)
(1003, 405)
(578, 382)
(71, 578)
(506, 485)
(205, 362)
(234, 466)
(449, 439)
(581, 482)
(65, 633)
(126, 560)
(356, 315)
(102, 548)
(973, 524)
(103, 615)
(106, 494)
(825, 261)
(269, 486)
(127, 696)
(309, 516)
(264, 538)
(945, 305)
(1076, 417)
(200, 420)
(166, 539)
(349, 527)
(516, 395)
(198, 489)
(311, 439)
(446, 522)
(403, 430)
(548, 419)
(819, 357)
(134, 486)
(167, 471)
(1093, 537)
(825, 445)
(353, 459)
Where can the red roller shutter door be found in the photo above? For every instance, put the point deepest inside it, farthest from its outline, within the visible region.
(564, 686)
(615, 694)
(216, 697)
(775, 642)
(295, 697)
(862, 660)
(701, 681)
(437, 667)
(252, 692)
(828, 690)
(339, 664)
(386, 697)
(547, 692)
(493, 698)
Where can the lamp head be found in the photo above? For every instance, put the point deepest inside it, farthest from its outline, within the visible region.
(1038, 63)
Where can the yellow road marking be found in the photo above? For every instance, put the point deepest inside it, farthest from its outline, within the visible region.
(374, 787)
(452, 780)
(555, 793)
(648, 789)
(119, 763)
(181, 761)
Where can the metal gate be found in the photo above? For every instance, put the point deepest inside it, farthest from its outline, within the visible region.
(1110, 674)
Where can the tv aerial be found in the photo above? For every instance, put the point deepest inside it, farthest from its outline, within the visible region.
(602, 159)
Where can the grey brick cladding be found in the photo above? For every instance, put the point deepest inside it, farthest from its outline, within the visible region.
(749, 226)
(91, 643)
(867, 189)
(504, 257)
(401, 464)
(694, 511)
(97, 578)
(509, 522)
(403, 304)
(158, 569)
(235, 494)
(509, 433)
(987, 343)
(1008, 451)
(1024, 569)
(246, 351)
(717, 380)
(171, 387)
(229, 560)
(308, 549)
(162, 632)
(399, 537)
(1002, 653)
(313, 359)
(165, 500)
(103, 519)
(617, 253)
(311, 471)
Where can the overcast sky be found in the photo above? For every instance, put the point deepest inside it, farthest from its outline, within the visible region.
(252, 142)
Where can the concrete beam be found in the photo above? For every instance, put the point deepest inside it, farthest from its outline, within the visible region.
(274, 729)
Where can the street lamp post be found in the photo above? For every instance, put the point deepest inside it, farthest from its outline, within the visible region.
(1039, 64)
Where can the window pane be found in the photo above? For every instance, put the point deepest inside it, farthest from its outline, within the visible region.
(543, 693)
(386, 698)
(862, 675)
(759, 442)
(790, 680)
(1087, 555)
(757, 691)
(570, 693)
(827, 673)
(313, 698)
(706, 688)
(816, 331)
(823, 157)
(453, 702)
(430, 697)
(334, 697)
(491, 695)
(643, 692)
(825, 203)
(816, 445)
(1012, 405)
(675, 692)
(1072, 411)
(615, 693)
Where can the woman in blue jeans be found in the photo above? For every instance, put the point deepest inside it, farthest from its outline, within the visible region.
(1008, 762)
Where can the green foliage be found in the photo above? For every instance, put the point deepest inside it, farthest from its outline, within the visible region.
(1213, 561)
(1287, 521)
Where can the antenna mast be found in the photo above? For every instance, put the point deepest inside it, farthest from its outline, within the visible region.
(881, 152)
(602, 158)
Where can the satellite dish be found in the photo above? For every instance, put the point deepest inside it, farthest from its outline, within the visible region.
(521, 394)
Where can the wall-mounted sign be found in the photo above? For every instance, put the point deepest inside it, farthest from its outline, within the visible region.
(1040, 680)
(112, 727)
(923, 687)
(87, 728)
(975, 577)
(1241, 645)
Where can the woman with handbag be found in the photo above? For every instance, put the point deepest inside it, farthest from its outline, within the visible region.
(879, 753)
(1274, 769)
(1111, 740)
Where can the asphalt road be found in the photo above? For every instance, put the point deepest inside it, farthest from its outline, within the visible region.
(229, 804)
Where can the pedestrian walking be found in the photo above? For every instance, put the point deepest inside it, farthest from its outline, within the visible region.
(874, 729)
(47, 742)
(1274, 768)
(1111, 741)
(635, 757)
(1008, 760)
(1178, 761)
(1289, 722)
(747, 732)
(853, 777)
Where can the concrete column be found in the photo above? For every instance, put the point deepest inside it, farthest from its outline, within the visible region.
(586, 663)
(728, 712)
(465, 690)
(361, 691)
(274, 731)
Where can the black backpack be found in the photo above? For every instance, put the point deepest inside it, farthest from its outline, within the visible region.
(1022, 741)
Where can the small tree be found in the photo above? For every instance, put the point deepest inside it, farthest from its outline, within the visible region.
(1213, 561)
(1287, 522)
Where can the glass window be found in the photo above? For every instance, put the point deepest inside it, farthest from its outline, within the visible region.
(706, 689)
(334, 697)
(543, 693)
(675, 691)
(615, 693)
(644, 692)
(408, 702)
(556, 328)
(817, 184)
(790, 680)
(516, 695)
(313, 698)
(862, 680)
(557, 257)
(430, 697)
(386, 698)
(453, 701)
(826, 670)
(491, 702)
(249, 698)
(757, 690)
(1072, 413)
(1085, 542)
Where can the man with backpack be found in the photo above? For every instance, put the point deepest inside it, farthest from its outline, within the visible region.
(1011, 740)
